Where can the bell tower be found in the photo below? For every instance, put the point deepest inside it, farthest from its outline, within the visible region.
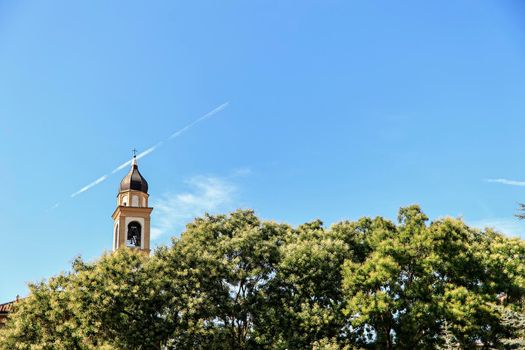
(131, 218)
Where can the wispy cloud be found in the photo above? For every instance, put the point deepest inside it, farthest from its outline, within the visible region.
(509, 226)
(206, 194)
(152, 148)
(241, 172)
(507, 182)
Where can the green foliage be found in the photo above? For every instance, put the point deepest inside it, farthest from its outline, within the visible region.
(448, 340)
(418, 276)
(515, 321)
(236, 282)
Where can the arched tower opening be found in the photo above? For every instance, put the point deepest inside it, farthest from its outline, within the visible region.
(134, 235)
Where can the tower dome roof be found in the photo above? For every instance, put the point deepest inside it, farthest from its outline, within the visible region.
(134, 179)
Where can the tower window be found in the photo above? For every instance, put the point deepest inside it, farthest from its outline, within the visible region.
(134, 235)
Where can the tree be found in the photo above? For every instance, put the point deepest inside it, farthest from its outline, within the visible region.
(521, 211)
(515, 321)
(236, 282)
(111, 304)
(449, 341)
(305, 296)
(228, 261)
(417, 276)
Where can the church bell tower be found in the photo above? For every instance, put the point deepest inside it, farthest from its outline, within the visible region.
(131, 218)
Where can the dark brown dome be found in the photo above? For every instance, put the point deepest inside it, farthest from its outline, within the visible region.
(134, 180)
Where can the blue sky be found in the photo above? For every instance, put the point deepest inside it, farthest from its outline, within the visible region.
(336, 110)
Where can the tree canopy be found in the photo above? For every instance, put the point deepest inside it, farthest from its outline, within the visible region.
(237, 282)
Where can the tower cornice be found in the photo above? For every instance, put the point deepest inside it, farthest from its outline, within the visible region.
(130, 210)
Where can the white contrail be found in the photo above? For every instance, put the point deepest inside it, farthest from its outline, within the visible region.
(507, 182)
(197, 121)
(87, 187)
(140, 155)
(53, 207)
(152, 148)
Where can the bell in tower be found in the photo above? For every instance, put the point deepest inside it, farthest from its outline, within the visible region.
(131, 218)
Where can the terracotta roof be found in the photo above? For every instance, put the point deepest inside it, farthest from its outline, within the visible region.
(6, 307)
